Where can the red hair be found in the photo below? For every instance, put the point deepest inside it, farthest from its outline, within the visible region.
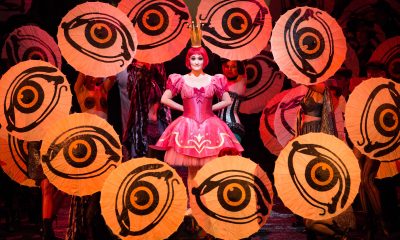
(196, 50)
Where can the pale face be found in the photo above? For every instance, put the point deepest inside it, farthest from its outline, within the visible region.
(196, 62)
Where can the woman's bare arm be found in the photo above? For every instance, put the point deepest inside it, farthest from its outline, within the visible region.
(166, 99)
(226, 101)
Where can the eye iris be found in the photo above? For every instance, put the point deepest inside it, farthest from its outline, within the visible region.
(310, 43)
(322, 174)
(79, 151)
(237, 22)
(394, 68)
(142, 198)
(252, 73)
(34, 53)
(29, 97)
(386, 120)
(234, 195)
(153, 20)
(101, 35)
(389, 119)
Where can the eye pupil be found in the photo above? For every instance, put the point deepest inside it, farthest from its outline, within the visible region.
(237, 22)
(27, 96)
(101, 32)
(310, 42)
(153, 19)
(234, 194)
(141, 198)
(322, 174)
(79, 151)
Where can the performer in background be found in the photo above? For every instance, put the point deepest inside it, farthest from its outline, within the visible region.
(317, 114)
(85, 219)
(234, 71)
(147, 119)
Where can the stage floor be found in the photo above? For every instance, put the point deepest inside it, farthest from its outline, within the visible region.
(279, 227)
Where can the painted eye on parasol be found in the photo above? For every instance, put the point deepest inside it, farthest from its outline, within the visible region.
(33, 95)
(31, 42)
(323, 172)
(289, 106)
(235, 191)
(385, 119)
(155, 18)
(78, 148)
(240, 25)
(15, 157)
(106, 38)
(145, 195)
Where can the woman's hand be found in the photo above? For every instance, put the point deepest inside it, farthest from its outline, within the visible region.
(166, 99)
(226, 101)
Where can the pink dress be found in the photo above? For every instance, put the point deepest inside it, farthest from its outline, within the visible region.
(198, 135)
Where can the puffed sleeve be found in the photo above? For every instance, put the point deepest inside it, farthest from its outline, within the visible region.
(219, 82)
(175, 83)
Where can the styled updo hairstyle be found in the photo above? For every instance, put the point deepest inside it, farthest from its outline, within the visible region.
(196, 50)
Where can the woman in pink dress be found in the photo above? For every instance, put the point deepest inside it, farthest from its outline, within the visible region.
(198, 135)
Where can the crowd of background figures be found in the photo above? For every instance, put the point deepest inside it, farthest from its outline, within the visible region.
(365, 28)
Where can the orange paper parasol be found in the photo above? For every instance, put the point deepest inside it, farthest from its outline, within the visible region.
(143, 198)
(235, 29)
(308, 45)
(388, 53)
(9, 8)
(79, 153)
(264, 80)
(317, 176)
(279, 7)
(373, 119)
(231, 197)
(286, 114)
(30, 42)
(14, 155)
(267, 129)
(33, 94)
(97, 39)
(161, 27)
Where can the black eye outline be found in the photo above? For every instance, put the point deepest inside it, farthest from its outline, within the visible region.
(236, 38)
(18, 151)
(265, 57)
(109, 23)
(158, 6)
(240, 178)
(336, 167)
(293, 36)
(83, 135)
(369, 145)
(33, 92)
(287, 106)
(45, 51)
(130, 183)
(267, 112)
